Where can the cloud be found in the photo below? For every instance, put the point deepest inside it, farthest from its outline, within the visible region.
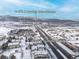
(1, 8)
(67, 9)
(70, 6)
(41, 3)
(15, 2)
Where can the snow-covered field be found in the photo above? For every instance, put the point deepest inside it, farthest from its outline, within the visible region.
(4, 30)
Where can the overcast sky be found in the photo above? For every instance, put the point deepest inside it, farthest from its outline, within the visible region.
(65, 9)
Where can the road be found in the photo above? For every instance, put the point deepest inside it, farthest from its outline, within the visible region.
(56, 49)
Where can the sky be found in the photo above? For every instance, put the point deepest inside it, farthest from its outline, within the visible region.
(65, 9)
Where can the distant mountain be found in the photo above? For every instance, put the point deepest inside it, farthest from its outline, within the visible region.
(31, 19)
(15, 18)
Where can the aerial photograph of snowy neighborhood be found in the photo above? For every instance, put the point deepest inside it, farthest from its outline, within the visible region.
(39, 29)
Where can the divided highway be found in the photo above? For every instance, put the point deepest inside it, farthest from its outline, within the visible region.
(56, 49)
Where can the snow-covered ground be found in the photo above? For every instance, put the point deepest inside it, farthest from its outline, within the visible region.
(56, 34)
(4, 30)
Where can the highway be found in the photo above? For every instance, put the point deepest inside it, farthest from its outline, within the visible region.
(59, 52)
